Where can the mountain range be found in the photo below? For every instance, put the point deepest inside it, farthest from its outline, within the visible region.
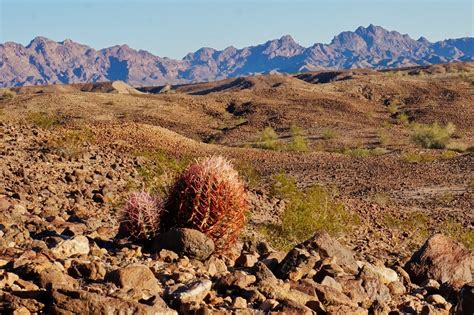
(44, 61)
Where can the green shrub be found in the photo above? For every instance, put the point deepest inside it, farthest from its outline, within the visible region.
(269, 139)
(392, 108)
(329, 134)
(403, 119)
(432, 136)
(44, 120)
(306, 212)
(459, 232)
(7, 94)
(298, 141)
(384, 137)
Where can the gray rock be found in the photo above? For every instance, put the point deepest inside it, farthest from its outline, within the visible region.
(296, 264)
(185, 242)
(78, 245)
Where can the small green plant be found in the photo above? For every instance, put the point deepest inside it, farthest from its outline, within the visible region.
(403, 119)
(141, 216)
(329, 134)
(459, 232)
(210, 197)
(306, 212)
(7, 94)
(71, 142)
(158, 170)
(298, 141)
(392, 108)
(384, 137)
(250, 175)
(43, 120)
(432, 136)
(412, 157)
(364, 152)
(381, 199)
(269, 139)
(413, 222)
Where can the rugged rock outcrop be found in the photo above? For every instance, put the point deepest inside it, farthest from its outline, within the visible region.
(44, 61)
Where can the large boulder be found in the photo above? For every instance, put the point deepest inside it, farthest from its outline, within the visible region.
(186, 242)
(443, 260)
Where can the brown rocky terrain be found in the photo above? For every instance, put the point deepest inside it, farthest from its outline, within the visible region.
(71, 154)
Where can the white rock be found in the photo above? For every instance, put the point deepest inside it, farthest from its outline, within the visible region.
(385, 274)
(194, 292)
(78, 245)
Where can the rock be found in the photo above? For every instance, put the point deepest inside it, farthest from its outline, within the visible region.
(466, 300)
(193, 292)
(246, 260)
(269, 305)
(386, 275)
(54, 279)
(296, 264)
(432, 310)
(236, 279)
(436, 299)
(187, 242)
(376, 291)
(81, 302)
(330, 296)
(215, 266)
(397, 288)
(262, 273)
(330, 282)
(87, 270)
(443, 260)
(327, 247)
(282, 292)
(138, 277)
(239, 303)
(344, 310)
(78, 245)
(7, 279)
(353, 289)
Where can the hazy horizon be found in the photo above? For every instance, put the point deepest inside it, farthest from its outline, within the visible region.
(173, 29)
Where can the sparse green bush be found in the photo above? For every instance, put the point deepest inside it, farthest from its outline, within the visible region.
(384, 137)
(403, 119)
(158, 170)
(392, 109)
(432, 136)
(298, 141)
(413, 222)
(329, 134)
(459, 232)
(71, 142)
(44, 120)
(210, 197)
(269, 139)
(7, 94)
(306, 212)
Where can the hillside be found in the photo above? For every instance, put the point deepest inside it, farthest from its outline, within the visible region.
(380, 159)
(44, 61)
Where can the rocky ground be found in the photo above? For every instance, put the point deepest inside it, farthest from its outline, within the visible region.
(69, 159)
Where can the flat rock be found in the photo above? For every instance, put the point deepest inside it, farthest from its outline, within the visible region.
(78, 245)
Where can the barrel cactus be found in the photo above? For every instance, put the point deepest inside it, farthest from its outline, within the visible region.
(209, 197)
(141, 216)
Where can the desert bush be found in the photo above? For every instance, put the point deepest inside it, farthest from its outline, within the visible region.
(459, 232)
(158, 170)
(329, 134)
(432, 136)
(269, 139)
(141, 216)
(43, 120)
(364, 152)
(392, 108)
(413, 222)
(403, 119)
(72, 142)
(384, 137)
(305, 212)
(7, 94)
(298, 141)
(210, 197)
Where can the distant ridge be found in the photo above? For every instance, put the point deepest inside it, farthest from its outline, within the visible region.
(44, 61)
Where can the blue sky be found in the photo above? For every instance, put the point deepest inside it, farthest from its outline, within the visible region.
(174, 28)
